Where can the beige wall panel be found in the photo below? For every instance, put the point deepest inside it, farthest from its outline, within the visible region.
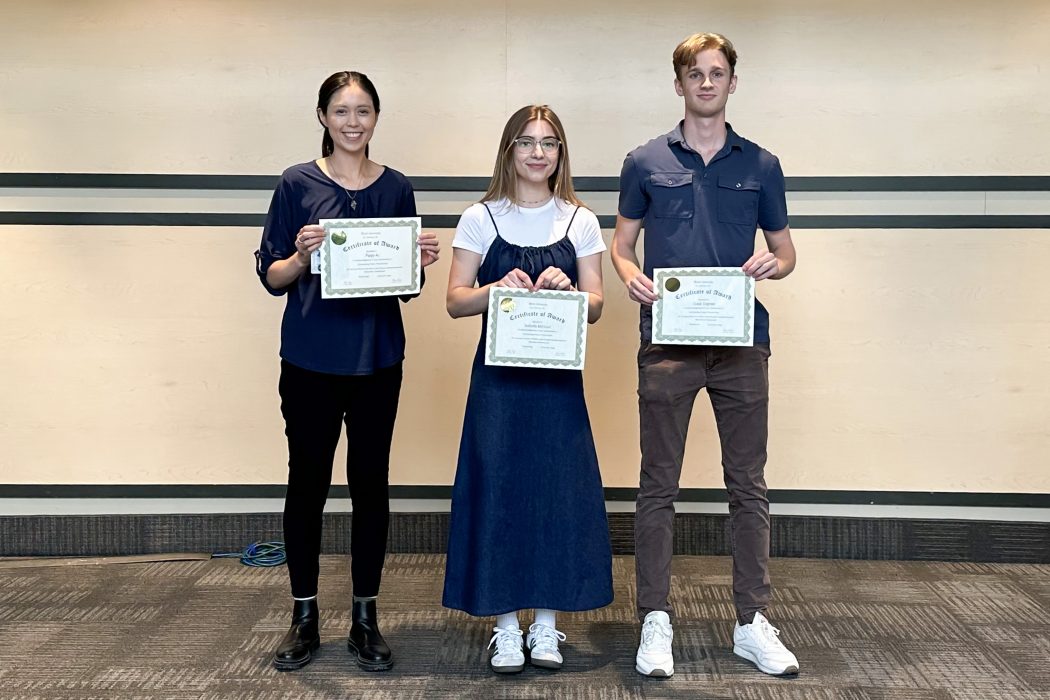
(833, 88)
(902, 360)
(230, 87)
(914, 360)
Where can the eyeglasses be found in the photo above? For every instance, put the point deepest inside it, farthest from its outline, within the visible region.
(526, 144)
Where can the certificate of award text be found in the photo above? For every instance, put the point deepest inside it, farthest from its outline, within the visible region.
(370, 257)
(703, 306)
(536, 329)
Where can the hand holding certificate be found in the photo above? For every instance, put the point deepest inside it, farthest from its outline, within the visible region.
(704, 306)
(370, 257)
(536, 329)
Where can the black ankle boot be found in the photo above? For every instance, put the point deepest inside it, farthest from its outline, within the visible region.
(365, 641)
(302, 642)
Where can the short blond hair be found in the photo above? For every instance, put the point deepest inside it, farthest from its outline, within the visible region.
(685, 53)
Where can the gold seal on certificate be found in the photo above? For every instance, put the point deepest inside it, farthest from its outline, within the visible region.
(536, 329)
(703, 306)
(370, 257)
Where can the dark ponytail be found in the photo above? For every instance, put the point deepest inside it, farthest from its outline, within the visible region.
(333, 84)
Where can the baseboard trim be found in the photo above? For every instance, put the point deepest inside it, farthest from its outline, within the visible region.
(695, 534)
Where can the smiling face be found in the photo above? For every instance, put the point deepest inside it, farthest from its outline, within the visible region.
(535, 165)
(350, 118)
(707, 84)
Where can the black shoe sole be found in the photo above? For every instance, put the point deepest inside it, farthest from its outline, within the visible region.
(314, 652)
(369, 665)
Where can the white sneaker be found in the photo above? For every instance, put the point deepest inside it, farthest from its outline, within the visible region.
(507, 657)
(759, 644)
(654, 656)
(543, 646)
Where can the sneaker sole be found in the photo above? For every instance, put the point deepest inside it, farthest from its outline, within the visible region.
(507, 669)
(315, 651)
(654, 672)
(544, 663)
(745, 654)
(373, 666)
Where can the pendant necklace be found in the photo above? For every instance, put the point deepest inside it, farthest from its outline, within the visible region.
(352, 196)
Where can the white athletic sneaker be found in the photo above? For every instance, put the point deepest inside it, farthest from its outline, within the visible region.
(543, 646)
(507, 657)
(759, 644)
(654, 652)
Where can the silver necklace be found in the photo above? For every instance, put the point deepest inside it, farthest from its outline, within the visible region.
(351, 197)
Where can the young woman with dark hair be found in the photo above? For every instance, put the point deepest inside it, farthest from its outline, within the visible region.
(340, 364)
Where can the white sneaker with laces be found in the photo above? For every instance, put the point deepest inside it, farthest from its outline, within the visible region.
(507, 656)
(759, 643)
(543, 646)
(654, 656)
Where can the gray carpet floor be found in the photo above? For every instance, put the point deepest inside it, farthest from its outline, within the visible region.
(206, 629)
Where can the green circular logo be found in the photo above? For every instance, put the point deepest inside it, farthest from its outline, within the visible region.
(672, 284)
(338, 237)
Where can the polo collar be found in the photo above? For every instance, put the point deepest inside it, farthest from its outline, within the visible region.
(733, 141)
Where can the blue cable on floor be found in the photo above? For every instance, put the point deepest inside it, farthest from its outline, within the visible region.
(258, 554)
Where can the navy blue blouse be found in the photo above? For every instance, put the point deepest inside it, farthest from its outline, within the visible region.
(335, 336)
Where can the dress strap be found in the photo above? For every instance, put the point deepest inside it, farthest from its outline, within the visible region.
(569, 227)
(494, 218)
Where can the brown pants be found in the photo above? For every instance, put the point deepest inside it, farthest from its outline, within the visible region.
(737, 380)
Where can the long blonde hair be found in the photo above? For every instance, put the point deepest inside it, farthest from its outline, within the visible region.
(504, 177)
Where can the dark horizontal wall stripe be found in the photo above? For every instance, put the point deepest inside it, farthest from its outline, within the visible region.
(121, 218)
(132, 181)
(922, 221)
(449, 221)
(694, 534)
(921, 183)
(440, 183)
(910, 498)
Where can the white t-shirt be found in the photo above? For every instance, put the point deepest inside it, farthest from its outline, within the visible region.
(540, 226)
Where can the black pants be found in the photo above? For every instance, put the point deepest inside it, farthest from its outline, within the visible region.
(315, 406)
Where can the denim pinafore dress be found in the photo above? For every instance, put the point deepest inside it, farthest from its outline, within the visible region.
(528, 527)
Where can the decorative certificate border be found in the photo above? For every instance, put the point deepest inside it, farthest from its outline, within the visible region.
(497, 293)
(413, 222)
(747, 339)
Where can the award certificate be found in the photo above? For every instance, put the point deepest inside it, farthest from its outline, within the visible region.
(370, 257)
(703, 306)
(536, 329)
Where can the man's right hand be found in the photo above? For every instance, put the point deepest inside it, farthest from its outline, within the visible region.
(641, 290)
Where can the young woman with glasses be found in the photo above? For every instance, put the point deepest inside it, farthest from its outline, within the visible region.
(529, 529)
(340, 364)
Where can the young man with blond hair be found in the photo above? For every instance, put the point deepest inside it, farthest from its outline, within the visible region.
(701, 192)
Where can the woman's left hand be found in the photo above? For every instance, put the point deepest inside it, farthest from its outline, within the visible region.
(552, 278)
(430, 247)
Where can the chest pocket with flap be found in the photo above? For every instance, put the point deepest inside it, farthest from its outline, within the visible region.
(672, 195)
(738, 200)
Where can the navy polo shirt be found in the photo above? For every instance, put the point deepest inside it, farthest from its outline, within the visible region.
(335, 336)
(701, 215)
